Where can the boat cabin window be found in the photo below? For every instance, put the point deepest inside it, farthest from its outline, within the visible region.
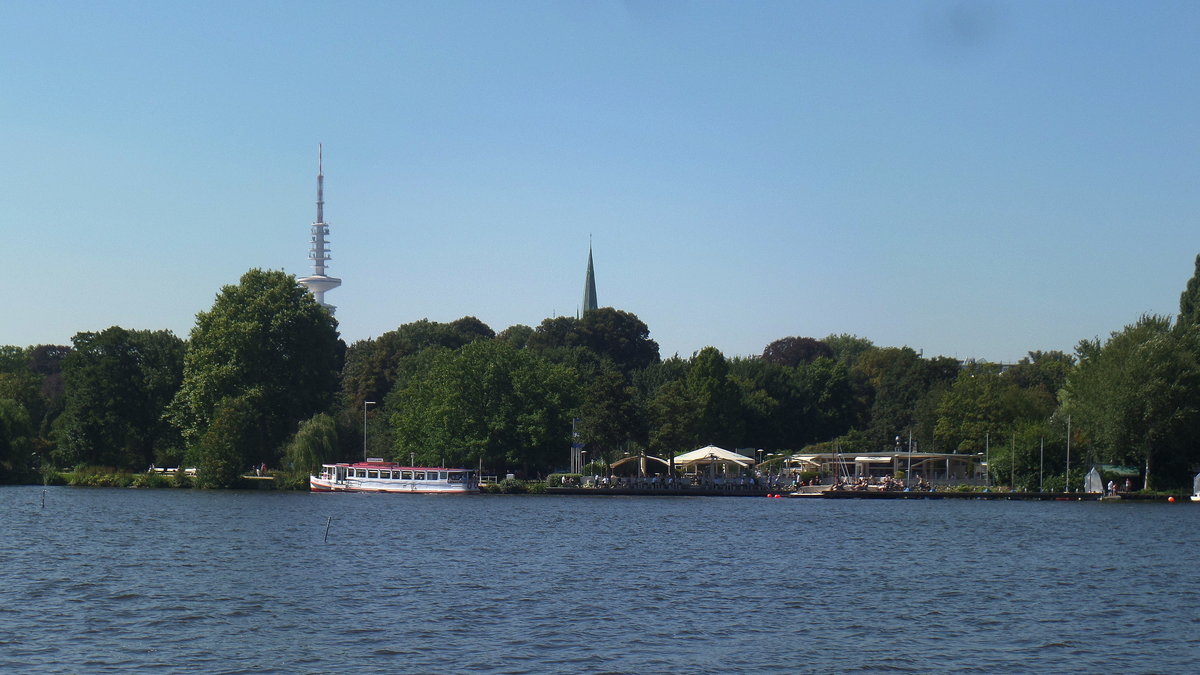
(455, 476)
(373, 473)
(418, 475)
(406, 475)
(360, 473)
(386, 475)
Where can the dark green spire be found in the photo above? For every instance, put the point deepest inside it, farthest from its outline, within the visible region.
(589, 287)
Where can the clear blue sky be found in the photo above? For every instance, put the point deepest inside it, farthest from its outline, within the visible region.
(973, 179)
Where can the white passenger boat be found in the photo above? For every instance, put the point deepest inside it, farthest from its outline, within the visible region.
(376, 475)
(1196, 488)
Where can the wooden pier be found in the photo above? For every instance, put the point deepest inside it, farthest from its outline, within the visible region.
(987, 496)
(815, 493)
(663, 491)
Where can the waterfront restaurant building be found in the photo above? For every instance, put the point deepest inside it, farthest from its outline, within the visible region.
(934, 467)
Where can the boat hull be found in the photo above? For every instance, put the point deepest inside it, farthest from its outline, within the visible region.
(379, 476)
(316, 484)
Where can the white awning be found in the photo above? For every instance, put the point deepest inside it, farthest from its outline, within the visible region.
(712, 454)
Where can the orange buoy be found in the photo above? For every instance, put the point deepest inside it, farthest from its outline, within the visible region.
(1171, 499)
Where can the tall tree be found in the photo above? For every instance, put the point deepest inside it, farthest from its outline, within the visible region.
(373, 366)
(1136, 398)
(898, 379)
(267, 349)
(609, 415)
(614, 334)
(619, 335)
(847, 348)
(314, 444)
(16, 441)
(486, 402)
(1189, 299)
(118, 384)
(794, 351)
(703, 408)
(517, 335)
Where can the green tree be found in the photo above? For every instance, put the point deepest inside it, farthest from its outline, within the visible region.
(16, 442)
(118, 384)
(219, 453)
(617, 335)
(264, 339)
(899, 379)
(847, 348)
(1045, 372)
(1189, 299)
(974, 407)
(794, 351)
(314, 444)
(704, 408)
(609, 413)
(1135, 398)
(559, 331)
(517, 335)
(790, 407)
(13, 359)
(488, 403)
(373, 366)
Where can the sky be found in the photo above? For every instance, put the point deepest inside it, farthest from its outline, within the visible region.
(969, 179)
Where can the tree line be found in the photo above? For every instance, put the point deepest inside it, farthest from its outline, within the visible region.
(264, 378)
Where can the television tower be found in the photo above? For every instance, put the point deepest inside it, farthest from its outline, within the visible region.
(319, 282)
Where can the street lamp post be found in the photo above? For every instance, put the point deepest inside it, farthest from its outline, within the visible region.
(365, 404)
(987, 456)
(1041, 465)
(1068, 474)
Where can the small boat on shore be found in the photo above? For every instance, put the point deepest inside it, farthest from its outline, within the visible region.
(1196, 488)
(376, 475)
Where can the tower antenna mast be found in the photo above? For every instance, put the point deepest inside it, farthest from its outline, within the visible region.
(319, 283)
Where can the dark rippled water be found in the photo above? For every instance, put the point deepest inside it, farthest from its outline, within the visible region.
(242, 582)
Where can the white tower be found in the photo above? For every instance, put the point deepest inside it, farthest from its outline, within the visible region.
(319, 282)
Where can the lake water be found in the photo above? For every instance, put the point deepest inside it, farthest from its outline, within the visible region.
(176, 581)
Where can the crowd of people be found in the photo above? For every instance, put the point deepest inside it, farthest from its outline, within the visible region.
(782, 482)
(885, 483)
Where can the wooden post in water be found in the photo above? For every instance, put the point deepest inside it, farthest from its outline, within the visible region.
(43, 499)
(327, 523)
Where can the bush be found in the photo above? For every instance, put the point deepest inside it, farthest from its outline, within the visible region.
(596, 468)
(288, 480)
(150, 480)
(512, 486)
(52, 476)
(99, 476)
(564, 479)
(536, 487)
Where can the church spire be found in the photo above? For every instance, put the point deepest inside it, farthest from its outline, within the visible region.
(589, 286)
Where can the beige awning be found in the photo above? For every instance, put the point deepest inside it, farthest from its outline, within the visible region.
(713, 455)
